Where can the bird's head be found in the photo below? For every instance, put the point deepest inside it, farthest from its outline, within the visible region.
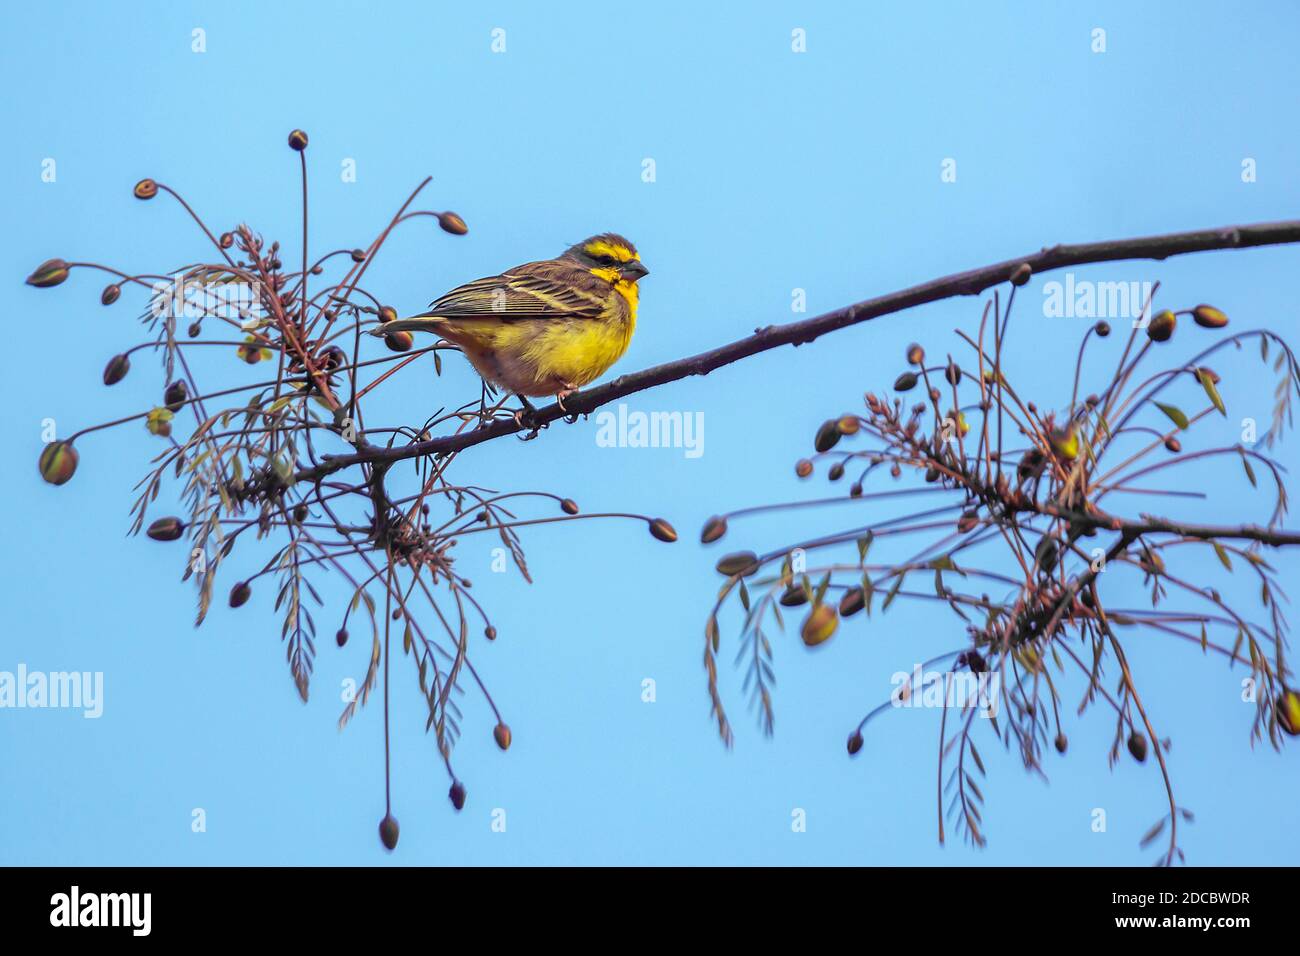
(609, 256)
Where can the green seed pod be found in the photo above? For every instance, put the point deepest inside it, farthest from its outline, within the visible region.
(819, 626)
(1288, 712)
(1162, 325)
(1208, 317)
(58, 462)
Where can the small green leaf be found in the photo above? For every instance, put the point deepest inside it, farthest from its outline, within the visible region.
(1208, 384)
(1222, 552)
(1175, 414)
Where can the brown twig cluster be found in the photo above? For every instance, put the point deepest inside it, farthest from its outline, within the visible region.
(1022, 537)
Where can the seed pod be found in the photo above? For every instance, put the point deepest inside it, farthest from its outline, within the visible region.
(743, 563)
(58, 462)
(501, 733)
(300, 512)
(110, 294)
(1061, 743)
(967, 522)
(490, 632)
(569, 506)
(828, 435)
(848, 424)
(852, 601)
(905, 382)
(803, 467)
(452, 223)
(1137, 746)
(399, 341)
(457, 795)
(388, 831)
(953, 373)
(1208, 317)
(1161, 327)
(1205, 372)
(49, 273)
(175, 395)
(1102, 329)
(1020, 275)
(166, 529)
(240, 594)
(661, 530)
(145, 189)
(855, 490)
(358, 255)
(298, 140)
(915, 354)
(836, 471)
(932, 474)
(1288, 712)
(341, 637)
(819, 626)
(1173, 444)
(714, 529)
(116, 369)
(794, 596)
(227, 240)
(855, 742)
(195, 328)
(387, 313)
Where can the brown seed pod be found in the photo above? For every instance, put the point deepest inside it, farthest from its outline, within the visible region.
(569, 506)
(743, 563)
(1205, 372)
(819, 626)
(195, 328)
(1102, 329)
(176, 395)
(240, 594)
(166, 529)
(227, 240)
(399, 341)
(855, 742)
(1173, 444)
(300, 512)
(828, 435)
(848, 424)
(145, 189)
(387, 313)
(1208, 317)
(388, 831)
(110, 294)
(452, 223)
(836, 471)
(803, 467)
(490, 632)
(905, 382)
(116, 369)
(855, 490)
(661, 530)
(1062, 742)
(298, 140)
(915, 354)
(501, 734)
(341, 637)
(794, 596)
(457, 795)
(1137, 746)
(953, 373)
(58, 462)
(852, 601)
(358, 255)
(1162, 325)
(714, 529)
(49, 273)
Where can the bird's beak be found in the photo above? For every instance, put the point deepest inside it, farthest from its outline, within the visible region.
(634, 270)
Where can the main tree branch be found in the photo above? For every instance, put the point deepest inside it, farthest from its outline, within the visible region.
(972, 282)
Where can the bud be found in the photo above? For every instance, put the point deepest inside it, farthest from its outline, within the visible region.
(915, 354)
(905, 382)
(828, 435)
(457, 795)
(388, 831)
(819, 625)
(1208, 317)
(852, 601)
(743, 563)
(953, 373)
(298, 141)
(358, 255)
(501, 733)
(569, 506)
(847, 424)
(967, 522)
(227, 240)
(240, 593)
(399, 341)
(803, 467)
(116, 369)
(110, 294)
(1102, 329)
(300, 512)
(195, 328)
(1061, 743)
(1137, 746)
(855, 742)
(794, 596)
(166, 529)
(490, 632)
(1173, 444)
(333, 358)
(452, 223)
(387, 313)
(836, 471)
(49, 273)
(1020, 275)
(145, 189)
(341, 637)
(662, 530)
(58, 462)
(1288, 712)
(1161, 326)
(1204, 372)
(175, 395)
(714, 529)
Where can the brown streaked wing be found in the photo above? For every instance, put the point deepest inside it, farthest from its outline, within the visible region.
(537, 290)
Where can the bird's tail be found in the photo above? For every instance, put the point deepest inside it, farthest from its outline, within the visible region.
(415, 324)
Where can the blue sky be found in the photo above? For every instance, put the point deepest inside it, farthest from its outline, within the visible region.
(775, 170)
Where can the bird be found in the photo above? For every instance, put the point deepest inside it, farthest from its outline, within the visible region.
(543, 328)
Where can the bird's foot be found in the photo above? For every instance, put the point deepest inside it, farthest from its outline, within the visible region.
(526, 419)
(560, 396)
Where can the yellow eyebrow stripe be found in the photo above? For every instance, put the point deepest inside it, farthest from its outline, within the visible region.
(597, 249)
